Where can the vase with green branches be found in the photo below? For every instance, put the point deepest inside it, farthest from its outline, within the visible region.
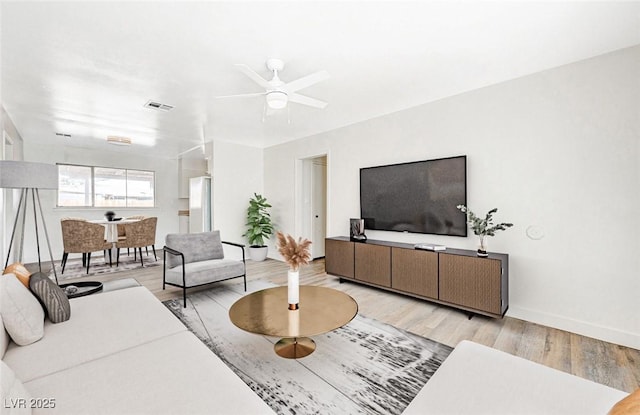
(483, 227)
(259, 226)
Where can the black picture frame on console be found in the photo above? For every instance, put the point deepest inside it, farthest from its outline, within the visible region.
(417, 197)
(357, 229)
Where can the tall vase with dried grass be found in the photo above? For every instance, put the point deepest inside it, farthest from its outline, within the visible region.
(295, 253)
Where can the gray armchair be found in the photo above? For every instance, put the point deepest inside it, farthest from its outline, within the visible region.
(195, 259)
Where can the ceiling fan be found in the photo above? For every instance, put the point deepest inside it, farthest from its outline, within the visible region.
(279, 93)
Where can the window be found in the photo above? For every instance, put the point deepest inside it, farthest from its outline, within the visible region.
(74, 186)
(88, 186)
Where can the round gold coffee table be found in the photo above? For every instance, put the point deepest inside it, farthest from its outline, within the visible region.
(321, 310)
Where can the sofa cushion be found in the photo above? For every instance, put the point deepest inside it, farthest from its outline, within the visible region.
(4, 338)
(102, 324)
(476, 379)
(196, 247)
(51, 296)
(627, 406)
(204, 272)
(176, 374)
(22, 314)
(20, 271)
(15, 398)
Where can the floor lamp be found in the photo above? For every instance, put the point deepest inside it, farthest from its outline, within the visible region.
(29, 177)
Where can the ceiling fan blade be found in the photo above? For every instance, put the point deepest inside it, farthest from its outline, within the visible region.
(255, 94)
(305, 81)
(253, 75)
(305, 100)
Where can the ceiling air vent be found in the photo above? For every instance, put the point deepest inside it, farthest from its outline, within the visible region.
(63, 135)
(158, 106)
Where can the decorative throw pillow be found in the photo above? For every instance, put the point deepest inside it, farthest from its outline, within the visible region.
(22, 315)
(15, 396)
(52, 298)
(628, 406)
(19, 270)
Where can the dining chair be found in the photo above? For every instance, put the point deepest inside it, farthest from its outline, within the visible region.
(138, 235)
(121, 233)
(82, 237)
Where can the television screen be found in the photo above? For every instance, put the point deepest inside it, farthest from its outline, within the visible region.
(416, 197)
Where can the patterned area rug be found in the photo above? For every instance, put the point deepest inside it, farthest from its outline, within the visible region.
(74, 268)
(366, 367)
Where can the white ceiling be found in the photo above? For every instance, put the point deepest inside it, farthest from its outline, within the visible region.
(86, 69)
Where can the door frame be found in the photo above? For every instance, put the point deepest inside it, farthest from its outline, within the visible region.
(302, 213)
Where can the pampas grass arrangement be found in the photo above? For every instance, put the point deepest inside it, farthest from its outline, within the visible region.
(294, 253)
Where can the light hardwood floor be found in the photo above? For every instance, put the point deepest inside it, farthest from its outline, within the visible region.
(599, 361)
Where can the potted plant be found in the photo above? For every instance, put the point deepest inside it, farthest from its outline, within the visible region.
(259, 227)
(483, 227)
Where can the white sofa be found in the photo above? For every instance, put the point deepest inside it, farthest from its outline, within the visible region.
(478, 380)
(123, 352)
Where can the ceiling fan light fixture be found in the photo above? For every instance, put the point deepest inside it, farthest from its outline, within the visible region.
(277, 100)
(118, 141)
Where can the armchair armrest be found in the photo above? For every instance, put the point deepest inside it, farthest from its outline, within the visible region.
(241, 246)
(233, 243)
(171, 251)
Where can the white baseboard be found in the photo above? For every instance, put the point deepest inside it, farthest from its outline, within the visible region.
(608, 334)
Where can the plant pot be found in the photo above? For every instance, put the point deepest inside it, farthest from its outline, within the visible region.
(482, 249)
(258, 253)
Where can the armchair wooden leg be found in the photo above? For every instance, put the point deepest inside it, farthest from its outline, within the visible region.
(154, 252)
(118, 256)
(84, 259)
(147, 249)
(164, 268)
(110, 263)
(88, 261)
(141, 261)
(64, 261)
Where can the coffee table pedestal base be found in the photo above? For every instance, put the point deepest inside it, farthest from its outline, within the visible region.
(294, 348)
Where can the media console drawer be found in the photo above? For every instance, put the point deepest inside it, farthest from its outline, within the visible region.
(471, 282)
(454, 277)
(373, 264)
(415, 271)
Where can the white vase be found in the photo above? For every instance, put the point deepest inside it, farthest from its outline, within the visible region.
(293, 292)
(482, 249)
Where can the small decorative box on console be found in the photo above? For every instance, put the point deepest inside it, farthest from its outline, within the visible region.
(430, 247)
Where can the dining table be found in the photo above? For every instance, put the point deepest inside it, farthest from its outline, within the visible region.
(111, 231)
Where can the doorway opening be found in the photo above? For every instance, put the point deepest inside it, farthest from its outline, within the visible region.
(312, 202)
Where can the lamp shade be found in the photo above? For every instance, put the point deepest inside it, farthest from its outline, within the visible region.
(28, 175)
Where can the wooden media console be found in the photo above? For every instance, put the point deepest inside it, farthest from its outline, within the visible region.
(453, 277)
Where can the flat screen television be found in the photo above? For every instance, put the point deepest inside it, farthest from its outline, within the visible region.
(418, 197)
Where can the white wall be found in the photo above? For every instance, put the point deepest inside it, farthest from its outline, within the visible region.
(558, 149)
(166, 194)
(237, 175)
(8, 197)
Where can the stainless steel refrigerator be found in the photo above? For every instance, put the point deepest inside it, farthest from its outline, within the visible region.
(199, 204)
